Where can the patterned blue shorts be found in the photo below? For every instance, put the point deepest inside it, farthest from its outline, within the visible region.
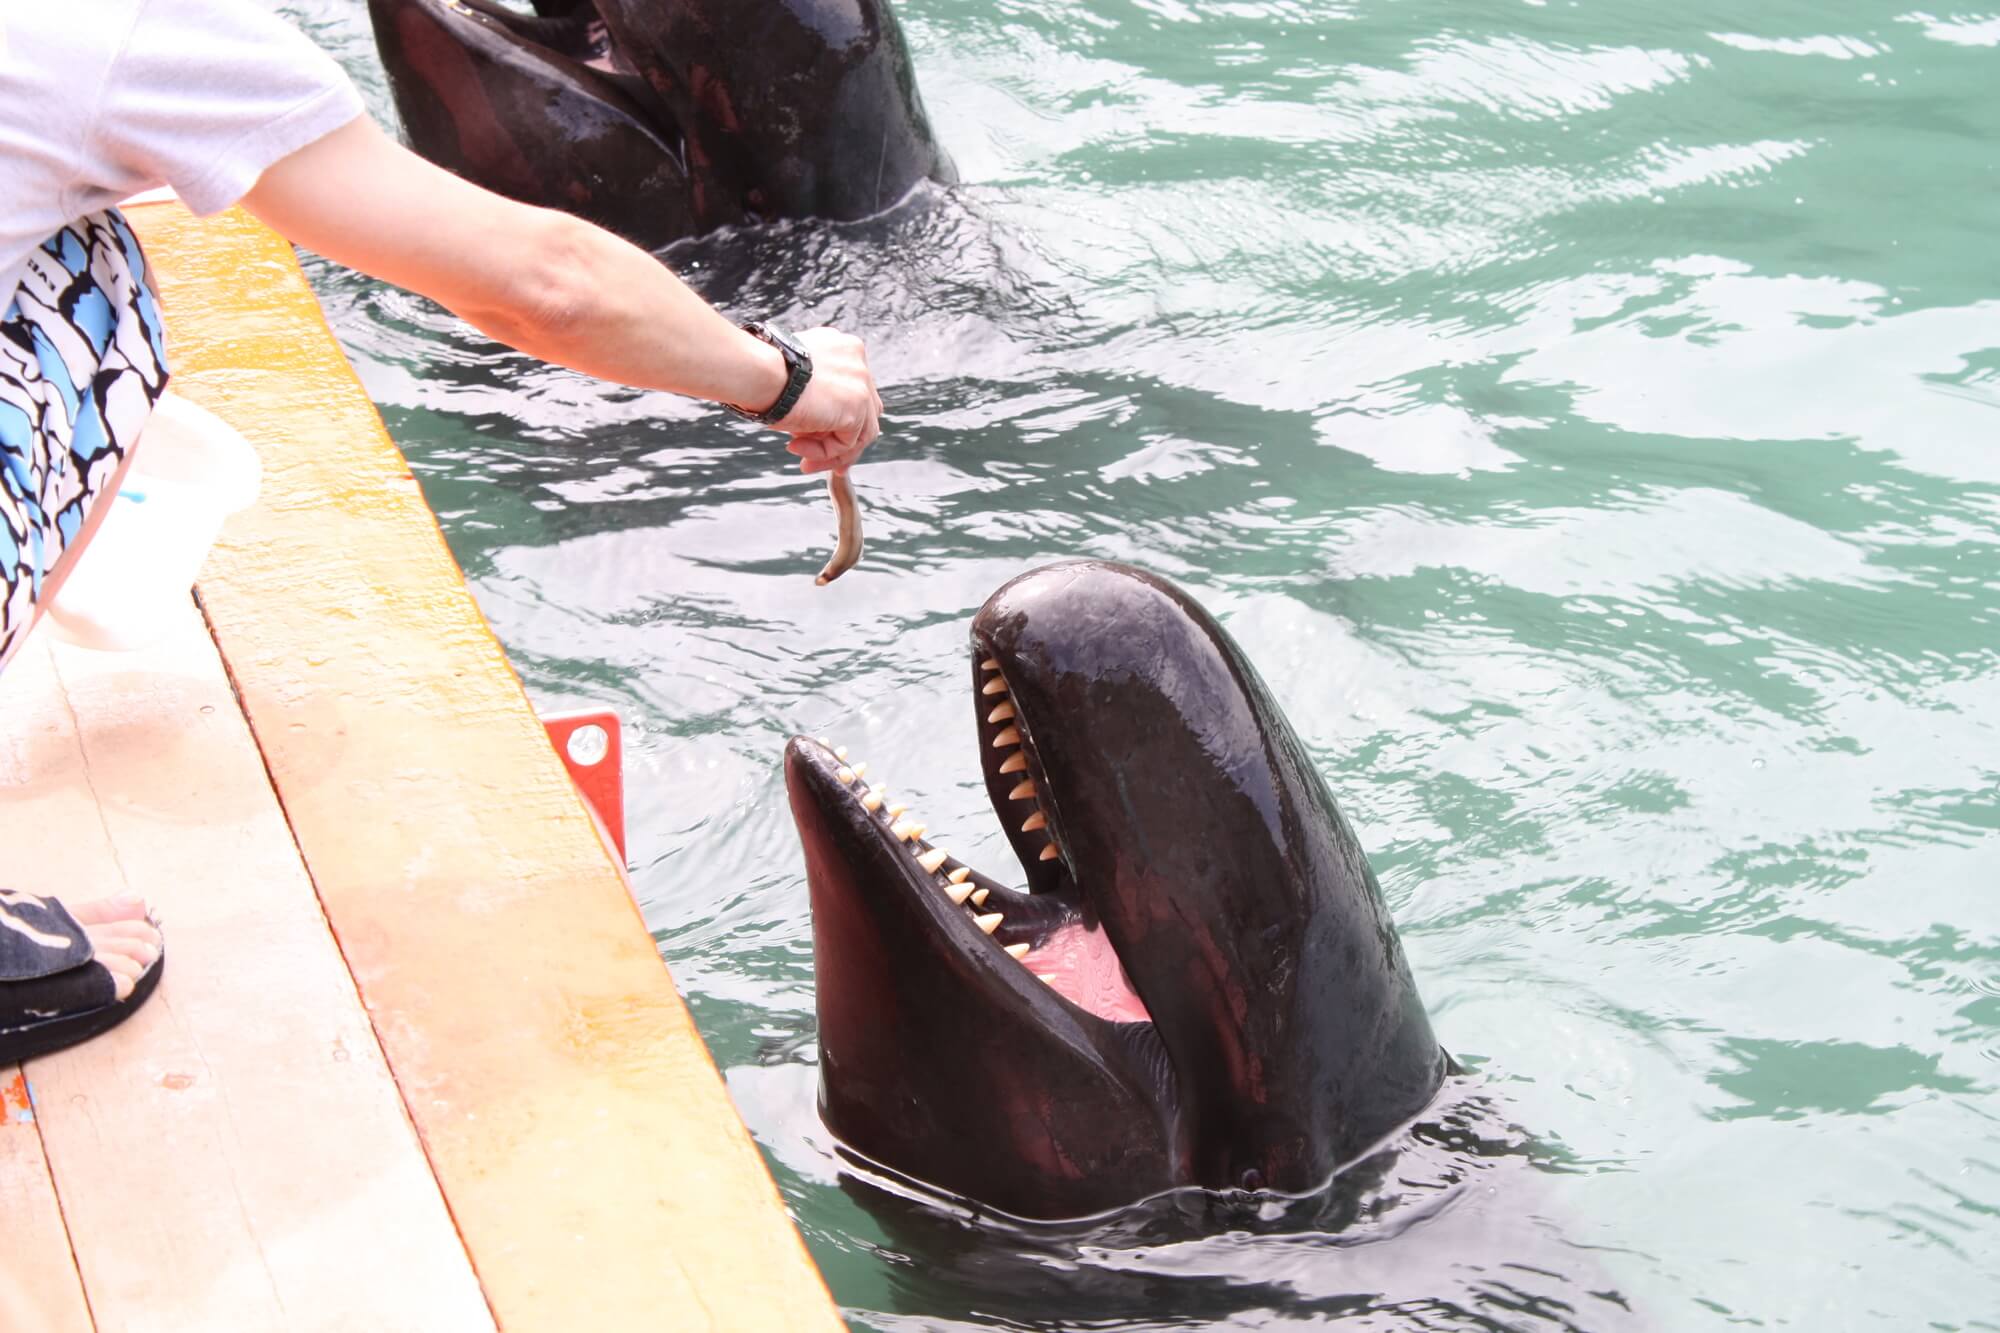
(81, 364)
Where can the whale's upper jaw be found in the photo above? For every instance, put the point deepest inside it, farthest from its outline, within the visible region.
(1158, 800)
(1200, 832)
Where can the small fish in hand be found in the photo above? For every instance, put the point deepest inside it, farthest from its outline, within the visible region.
(847, 549)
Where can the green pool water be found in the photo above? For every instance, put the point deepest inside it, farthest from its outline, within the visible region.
(1587, 416)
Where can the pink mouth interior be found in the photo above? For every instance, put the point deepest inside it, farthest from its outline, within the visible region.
(1084, 969)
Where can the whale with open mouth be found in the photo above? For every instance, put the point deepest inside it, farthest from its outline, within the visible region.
(1201, 985)
(664, 119)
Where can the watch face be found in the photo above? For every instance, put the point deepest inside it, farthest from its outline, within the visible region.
(798, 368)
(788, 343)
(795, 354)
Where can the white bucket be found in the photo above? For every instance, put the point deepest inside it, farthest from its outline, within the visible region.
(191, 470)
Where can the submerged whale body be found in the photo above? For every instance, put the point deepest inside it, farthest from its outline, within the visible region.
(664, 119)
(1201, 987)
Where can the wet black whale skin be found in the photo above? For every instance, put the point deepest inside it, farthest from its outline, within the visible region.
(1288, 1035)
(665, 119)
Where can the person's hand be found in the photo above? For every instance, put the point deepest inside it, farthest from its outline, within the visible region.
(837, 416)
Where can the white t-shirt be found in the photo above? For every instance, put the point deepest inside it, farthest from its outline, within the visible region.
(100, 99)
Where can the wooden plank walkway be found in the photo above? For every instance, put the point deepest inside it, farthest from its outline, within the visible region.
(415, 1062)
(211, 1153)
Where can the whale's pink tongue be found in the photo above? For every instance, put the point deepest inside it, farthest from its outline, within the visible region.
(1084, 969)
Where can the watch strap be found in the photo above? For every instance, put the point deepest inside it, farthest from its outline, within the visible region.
(798, 367)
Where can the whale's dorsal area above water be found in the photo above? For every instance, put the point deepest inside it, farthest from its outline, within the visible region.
(1200, 985)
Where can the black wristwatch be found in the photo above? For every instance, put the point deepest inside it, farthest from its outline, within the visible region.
(799, 368)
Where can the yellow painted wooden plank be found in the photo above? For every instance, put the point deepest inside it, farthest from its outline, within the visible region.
(236, 1155)
(39, 1286)
(590, 1154)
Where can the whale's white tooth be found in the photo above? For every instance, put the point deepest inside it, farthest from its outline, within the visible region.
(1049, 853)
(871, 801)
(846, 775)
(861, 770)
(979, 897)
(934, 858)
(840, 752)
(1001, 712)
(1016, 763)
(1018, 951)
(959, 892)
(990, 922)
(903, 830)
(1022, 792)
(824, 741)
(897, 809)
(990, 664)
(1011, 736)
(960, 875)
(998, 685)
(1034, 821)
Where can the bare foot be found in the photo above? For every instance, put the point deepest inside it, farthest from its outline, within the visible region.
(120, 936)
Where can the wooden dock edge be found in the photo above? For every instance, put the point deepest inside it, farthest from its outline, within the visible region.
(583, 1141)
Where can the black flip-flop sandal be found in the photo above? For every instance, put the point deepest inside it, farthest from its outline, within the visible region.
(53, 993)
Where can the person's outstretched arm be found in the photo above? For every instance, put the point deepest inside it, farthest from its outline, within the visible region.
(553, 286)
